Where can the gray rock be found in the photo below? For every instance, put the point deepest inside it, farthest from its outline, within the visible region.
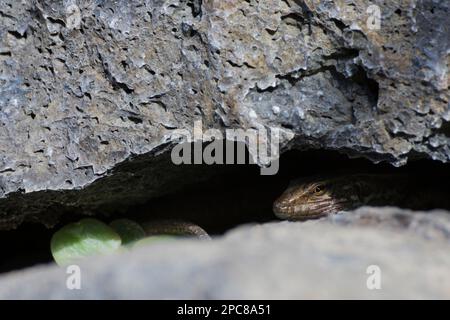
(86, 86)
(325, 258)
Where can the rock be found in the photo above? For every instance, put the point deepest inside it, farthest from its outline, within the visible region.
(86, 87)
(433, 224)
(326, 258)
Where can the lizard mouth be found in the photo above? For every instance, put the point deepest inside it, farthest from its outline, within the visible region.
(313, 210)
(283, 211)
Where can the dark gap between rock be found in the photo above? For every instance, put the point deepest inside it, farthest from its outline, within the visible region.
(236, 196)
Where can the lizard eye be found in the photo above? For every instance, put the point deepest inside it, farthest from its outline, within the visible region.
(318, 190)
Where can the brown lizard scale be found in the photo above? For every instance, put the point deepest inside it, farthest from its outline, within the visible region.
(174, 227)
(315, 197)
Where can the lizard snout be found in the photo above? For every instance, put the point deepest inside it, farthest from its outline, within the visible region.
(281, 209)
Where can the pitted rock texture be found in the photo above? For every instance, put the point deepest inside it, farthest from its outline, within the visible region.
(321, 259)
(87, 85)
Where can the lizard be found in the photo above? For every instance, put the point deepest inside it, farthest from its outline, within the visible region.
(319, 196)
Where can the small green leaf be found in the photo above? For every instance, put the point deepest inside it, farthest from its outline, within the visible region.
(88, 237)
(128, 230)
(154, 240)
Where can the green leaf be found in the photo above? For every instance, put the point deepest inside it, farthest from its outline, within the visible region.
(128, 230)
(154, 239)
(88, 237)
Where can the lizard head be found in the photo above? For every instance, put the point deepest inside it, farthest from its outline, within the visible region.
(313, 198)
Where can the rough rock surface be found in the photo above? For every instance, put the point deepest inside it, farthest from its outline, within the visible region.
(326, 258)
(86, 85)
